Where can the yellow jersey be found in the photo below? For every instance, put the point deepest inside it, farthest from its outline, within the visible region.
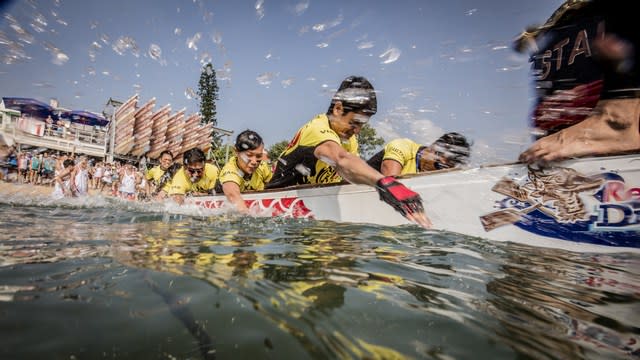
(231, 172)
(298, 165)
(404, 151)
(155, 173)
(181, 184)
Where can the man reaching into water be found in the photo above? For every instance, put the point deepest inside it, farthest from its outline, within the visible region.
(194, 177)
(587, 67)
(325, 150)
(403, 156)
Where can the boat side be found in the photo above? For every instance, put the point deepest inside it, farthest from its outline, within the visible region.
(586, 205)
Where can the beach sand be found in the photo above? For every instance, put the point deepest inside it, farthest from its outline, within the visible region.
(13, 189)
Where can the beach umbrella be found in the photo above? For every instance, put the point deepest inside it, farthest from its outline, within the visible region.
(84, 117)
(28, 106)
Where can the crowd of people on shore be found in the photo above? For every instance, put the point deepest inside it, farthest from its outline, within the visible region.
(71, 175)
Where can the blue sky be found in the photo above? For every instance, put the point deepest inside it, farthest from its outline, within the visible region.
(437, 65)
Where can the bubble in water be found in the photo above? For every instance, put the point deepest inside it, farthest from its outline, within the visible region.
(390, 56)
(322, 45)
(471, 12)
(91, 70)
(189, 93)
(93, 25)
(155, 52)
(105, 39)
(177, 31)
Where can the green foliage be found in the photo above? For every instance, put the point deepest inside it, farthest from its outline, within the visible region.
(276, 149)
(208, 93)
(369, 142)
(220, 153)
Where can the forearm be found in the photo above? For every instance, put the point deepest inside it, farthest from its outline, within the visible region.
(611, 128)
(232, 192)
(356, 171)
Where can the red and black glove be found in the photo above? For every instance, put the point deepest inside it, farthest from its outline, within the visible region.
(401, 198)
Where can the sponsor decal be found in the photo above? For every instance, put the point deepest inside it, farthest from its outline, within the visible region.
(565, 204)
(290, 207)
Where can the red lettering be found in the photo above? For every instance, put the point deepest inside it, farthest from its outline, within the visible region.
(614, 191)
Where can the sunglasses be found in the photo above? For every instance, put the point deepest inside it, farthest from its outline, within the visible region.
(195, 171)
(360, 119)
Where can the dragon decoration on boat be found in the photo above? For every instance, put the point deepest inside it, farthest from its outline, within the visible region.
(563, 203)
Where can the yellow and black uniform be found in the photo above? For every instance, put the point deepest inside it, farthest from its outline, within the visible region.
(404, 151)
(298, 165)
(181, 183)
(154, 174)
(254, 182)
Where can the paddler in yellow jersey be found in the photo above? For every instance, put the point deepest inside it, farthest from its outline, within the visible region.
(245, 171)
(154, 175)
(194, 177)
(404, 156)
(325, 150)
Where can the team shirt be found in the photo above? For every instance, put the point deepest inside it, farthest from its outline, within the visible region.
(181, 183)
(155, 173)
(404, 151)
(231, 172)
(298, 165)
(569, 79)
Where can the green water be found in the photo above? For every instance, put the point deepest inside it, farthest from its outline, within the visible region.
(110, 280)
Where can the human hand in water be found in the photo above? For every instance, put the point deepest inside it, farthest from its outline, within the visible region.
(403, 200)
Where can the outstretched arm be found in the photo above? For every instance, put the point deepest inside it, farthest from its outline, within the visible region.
(232, 192)
(357, 171)
(611, 128)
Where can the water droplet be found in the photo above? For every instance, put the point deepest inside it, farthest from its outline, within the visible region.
(192, 43)
(189, 93)
(265, 79)
(389, 56)
(260, 9)
(155, 52)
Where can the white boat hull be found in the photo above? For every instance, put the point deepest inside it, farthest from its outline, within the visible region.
(586, 205)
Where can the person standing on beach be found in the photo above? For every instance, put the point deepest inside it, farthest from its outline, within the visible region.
(404, 156)
(80, 178)
(245, 171)
(586, 67)
(325, 150)
(63, 179)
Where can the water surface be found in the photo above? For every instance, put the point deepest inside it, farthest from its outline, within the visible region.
(109, 279)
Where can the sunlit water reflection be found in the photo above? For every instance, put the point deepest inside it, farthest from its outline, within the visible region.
(105, 278)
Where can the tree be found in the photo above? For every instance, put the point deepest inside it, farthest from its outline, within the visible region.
(368, 141)
(220, 154)
(276, 149)
(208, 93)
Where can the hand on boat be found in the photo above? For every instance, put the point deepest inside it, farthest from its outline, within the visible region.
(403, 200)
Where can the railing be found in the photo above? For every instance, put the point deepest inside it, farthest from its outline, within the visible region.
(81, 139)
